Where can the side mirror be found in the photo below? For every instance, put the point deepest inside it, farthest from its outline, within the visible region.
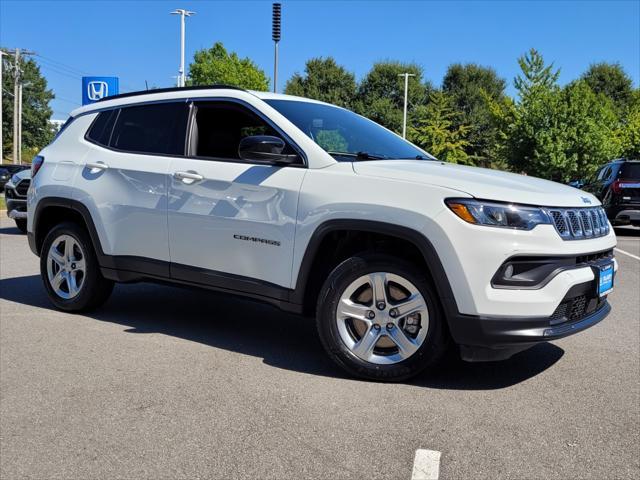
(264, 149)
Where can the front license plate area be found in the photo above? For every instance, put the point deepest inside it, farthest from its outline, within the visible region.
(604, 278)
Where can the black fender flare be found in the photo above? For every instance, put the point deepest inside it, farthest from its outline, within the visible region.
(426, 248)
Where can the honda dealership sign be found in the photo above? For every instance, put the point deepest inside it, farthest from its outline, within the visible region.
(95, 88)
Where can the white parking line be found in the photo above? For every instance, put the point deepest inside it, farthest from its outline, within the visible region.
(627, 253)
(426, 465)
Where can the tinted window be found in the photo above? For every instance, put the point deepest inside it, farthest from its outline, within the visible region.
(343, 133)
(220, 126)
(604, 172)
(158, 128)
(102, 126)
(630, 171)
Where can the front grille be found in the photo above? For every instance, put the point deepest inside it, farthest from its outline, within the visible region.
(22, 187)
(580, 223)
(575, 309)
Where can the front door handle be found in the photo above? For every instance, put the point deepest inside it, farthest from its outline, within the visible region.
(97, 166)
(188, 177)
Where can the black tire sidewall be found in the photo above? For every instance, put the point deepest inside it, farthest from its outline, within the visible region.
(93, 281)
(431, 350)
(21, 224)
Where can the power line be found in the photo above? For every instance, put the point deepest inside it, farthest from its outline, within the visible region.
(63, 65)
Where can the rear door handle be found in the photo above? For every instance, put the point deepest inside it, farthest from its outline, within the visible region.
(188, 177)
(97, 166)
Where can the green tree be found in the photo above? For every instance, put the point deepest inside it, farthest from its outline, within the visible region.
(611, 80)
(436, 132)
(472, 87)
(535, 74)
(217, 66)
(629, 130)
(324, 80)
(380, 94)
(557, 133)
(591, 123)
(36, 113)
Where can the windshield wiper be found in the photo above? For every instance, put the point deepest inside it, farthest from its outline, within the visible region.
(417, 157)
(360, 155)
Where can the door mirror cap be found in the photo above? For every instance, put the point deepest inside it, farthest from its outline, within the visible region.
(265, 149)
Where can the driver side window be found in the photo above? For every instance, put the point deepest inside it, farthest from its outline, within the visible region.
(219, 127)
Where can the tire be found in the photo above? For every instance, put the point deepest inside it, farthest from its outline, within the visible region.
(21, 223)
(82, 289)
(344, 339)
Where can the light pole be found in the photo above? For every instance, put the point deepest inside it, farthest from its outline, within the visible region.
(183, 13)
(406, 93)
(277, 17)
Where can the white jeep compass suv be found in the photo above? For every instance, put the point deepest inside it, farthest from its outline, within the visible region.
(313, 208)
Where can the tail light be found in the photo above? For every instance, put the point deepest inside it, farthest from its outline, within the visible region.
(36, 163)
(618, 185)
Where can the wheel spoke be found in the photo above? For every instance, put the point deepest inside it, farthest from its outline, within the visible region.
(80, 265)
(404, 344)
(364, 346)
(72, 283)
(68, 248)
(57, 257)
(57, 280)
(412, 304)
(349, 309)
(379, 286)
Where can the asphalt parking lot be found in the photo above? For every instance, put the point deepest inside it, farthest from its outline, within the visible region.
(169, 383)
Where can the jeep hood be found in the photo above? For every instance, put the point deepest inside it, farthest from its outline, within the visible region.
(479, 182)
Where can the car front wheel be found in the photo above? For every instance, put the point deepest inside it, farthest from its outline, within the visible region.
(378, 318)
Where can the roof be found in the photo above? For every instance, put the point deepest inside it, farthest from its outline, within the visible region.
(160, 94)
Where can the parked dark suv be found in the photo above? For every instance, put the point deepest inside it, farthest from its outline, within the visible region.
(617, 185)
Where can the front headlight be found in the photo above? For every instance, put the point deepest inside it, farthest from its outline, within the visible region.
(496, 214)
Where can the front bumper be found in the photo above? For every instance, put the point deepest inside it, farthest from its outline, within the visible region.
(16, 208)
(497, 338)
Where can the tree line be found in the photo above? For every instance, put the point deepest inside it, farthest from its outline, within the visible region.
(547, 130)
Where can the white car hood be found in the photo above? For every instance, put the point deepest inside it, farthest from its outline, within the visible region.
(480, 183)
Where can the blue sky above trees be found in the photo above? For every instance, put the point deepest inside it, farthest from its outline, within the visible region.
(138, 41)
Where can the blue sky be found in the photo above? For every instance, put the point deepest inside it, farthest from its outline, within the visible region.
(139, 41)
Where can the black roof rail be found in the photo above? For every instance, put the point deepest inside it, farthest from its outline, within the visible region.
(170, 89)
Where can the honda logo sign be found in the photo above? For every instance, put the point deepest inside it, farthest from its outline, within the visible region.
(95, 88)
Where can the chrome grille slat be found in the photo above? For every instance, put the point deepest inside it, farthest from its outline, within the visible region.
(579, 223)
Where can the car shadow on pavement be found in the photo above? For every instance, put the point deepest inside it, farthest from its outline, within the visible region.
(11, 231)
(282, 340)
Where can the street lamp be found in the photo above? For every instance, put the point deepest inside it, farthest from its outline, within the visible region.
(406, 94)
(183, 13)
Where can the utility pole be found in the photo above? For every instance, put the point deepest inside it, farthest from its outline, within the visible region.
(17, 104)
(183, 13)
(16, 115)
(406, 93)
(276, 24)
(1, 91)
(19, 142)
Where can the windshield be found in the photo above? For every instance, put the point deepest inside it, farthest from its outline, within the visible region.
(345, 135)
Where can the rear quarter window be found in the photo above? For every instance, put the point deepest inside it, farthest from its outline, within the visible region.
(102, 126)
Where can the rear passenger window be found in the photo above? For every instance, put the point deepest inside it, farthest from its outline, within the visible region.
(100, 130)
(158, 128)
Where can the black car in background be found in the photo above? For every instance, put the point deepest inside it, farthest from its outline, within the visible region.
(6, 171)
(617, 185)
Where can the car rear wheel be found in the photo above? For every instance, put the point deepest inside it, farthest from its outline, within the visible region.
(378, 318)
(70, 270)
